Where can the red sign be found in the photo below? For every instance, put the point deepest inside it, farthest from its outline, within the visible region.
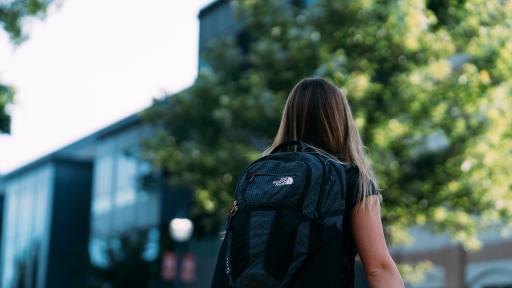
(188, 268)
(169, 266)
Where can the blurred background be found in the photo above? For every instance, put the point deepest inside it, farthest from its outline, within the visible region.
(125, 126)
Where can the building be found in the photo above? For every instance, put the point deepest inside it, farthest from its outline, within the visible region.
(46, 206)
(216, 20)
(489, 267)
(89, 193)
(50, 203)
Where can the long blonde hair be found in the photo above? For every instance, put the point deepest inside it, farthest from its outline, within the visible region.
(318, 113)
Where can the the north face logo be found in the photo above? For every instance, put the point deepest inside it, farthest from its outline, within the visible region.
(283, 181)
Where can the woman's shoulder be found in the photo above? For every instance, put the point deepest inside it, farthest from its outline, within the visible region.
(352, 173)
(352, 185)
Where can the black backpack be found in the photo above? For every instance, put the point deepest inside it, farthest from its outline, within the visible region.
(289, 207)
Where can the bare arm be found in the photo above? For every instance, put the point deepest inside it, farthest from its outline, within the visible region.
(379, 267)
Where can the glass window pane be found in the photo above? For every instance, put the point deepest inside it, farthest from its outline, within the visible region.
(103, 184)
(125, 196)
(123, 219)
(148, 211)
(25, 219)
(126, 170)
(9, 236)
(101, 224)
(97, 251)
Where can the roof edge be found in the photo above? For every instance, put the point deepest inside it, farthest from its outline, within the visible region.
(103, 132)
(208, 8)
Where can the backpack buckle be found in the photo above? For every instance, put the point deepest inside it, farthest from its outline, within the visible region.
(232, 213)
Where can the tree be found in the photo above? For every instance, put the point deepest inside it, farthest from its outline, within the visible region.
(429, 83)
(127, 263)
(12, 14)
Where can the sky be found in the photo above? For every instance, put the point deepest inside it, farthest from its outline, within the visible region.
(91, 63)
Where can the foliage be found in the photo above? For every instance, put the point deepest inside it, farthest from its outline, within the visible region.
(126, 263)
(12, 14)
(415, 274)
(6, 98)
(429, 83)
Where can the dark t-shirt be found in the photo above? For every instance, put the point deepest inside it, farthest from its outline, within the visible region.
(352, 176)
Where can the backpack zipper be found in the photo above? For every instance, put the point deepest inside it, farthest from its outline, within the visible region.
(234, 209)
(307, 183)
(251, 176)
(269, 206)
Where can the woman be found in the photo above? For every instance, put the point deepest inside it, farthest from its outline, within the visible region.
(318, 113)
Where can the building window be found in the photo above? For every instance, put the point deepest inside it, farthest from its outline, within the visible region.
(120, 203)
(25, 226)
